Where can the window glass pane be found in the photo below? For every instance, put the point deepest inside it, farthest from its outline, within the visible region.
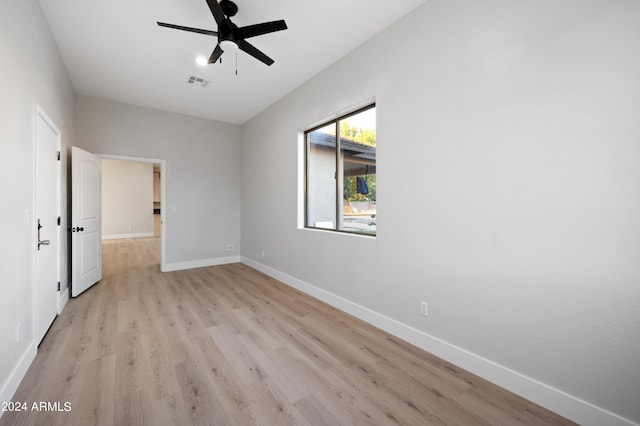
(321, 177)
(341, 174)
(357, 172)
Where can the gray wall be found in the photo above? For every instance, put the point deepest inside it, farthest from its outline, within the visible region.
(127, 199)
(31, 73)
(202, 172)
(508, 191)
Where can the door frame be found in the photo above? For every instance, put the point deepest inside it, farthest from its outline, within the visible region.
(61, 298)
(163, 196)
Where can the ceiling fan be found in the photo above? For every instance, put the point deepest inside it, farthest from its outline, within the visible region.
(230, 36)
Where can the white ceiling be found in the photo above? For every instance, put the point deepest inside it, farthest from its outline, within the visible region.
(113, 49)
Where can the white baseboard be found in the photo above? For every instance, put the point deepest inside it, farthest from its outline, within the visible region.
(63, 298)
(10, 385)
(137, 235)
(560, 402)
(179, 266)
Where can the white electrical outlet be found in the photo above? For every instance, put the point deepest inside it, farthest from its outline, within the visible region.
(262, 253)
(229, 247)
(424, 309)
(18, 333)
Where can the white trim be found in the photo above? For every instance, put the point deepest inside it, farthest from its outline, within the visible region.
(163, 198)
(63, 298)
(553, 399)
(302, 148)
(202, 263)
(341, 113)
(138, 235)
(40, 112)
(10, 385)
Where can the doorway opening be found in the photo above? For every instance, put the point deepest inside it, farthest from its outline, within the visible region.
(133, 199)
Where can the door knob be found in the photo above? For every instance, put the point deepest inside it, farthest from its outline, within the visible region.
(42, 243)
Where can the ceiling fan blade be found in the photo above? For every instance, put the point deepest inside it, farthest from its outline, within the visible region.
(215, 55)
(264, 28)
(216, 11)
(253, 51)
(190, 29)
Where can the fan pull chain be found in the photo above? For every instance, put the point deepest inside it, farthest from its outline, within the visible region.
(236, 62)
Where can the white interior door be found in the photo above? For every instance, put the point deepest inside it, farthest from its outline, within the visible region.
(47, 195)
(86, 212)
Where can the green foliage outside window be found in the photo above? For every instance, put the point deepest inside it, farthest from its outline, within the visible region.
(357, 134)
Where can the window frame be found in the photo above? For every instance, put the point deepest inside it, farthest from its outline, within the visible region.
(335, 121)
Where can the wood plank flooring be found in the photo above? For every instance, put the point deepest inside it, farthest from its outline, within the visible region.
(227, 345)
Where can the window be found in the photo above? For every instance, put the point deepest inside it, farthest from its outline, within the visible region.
(340, 173)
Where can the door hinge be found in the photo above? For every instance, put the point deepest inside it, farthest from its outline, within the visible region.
(58, 155)
(58, 285)
(58, 220)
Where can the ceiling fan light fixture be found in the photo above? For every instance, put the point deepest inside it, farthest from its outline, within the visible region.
(201, 60)
(228, 46)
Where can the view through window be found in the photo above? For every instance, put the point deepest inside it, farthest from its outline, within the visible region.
(341, 173)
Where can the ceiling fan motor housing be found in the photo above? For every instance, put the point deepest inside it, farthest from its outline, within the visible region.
(227, 31)
(229, 8)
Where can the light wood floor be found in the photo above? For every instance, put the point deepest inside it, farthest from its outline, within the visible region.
(229, 345)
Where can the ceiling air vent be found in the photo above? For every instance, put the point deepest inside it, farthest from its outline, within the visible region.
(198, 80)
